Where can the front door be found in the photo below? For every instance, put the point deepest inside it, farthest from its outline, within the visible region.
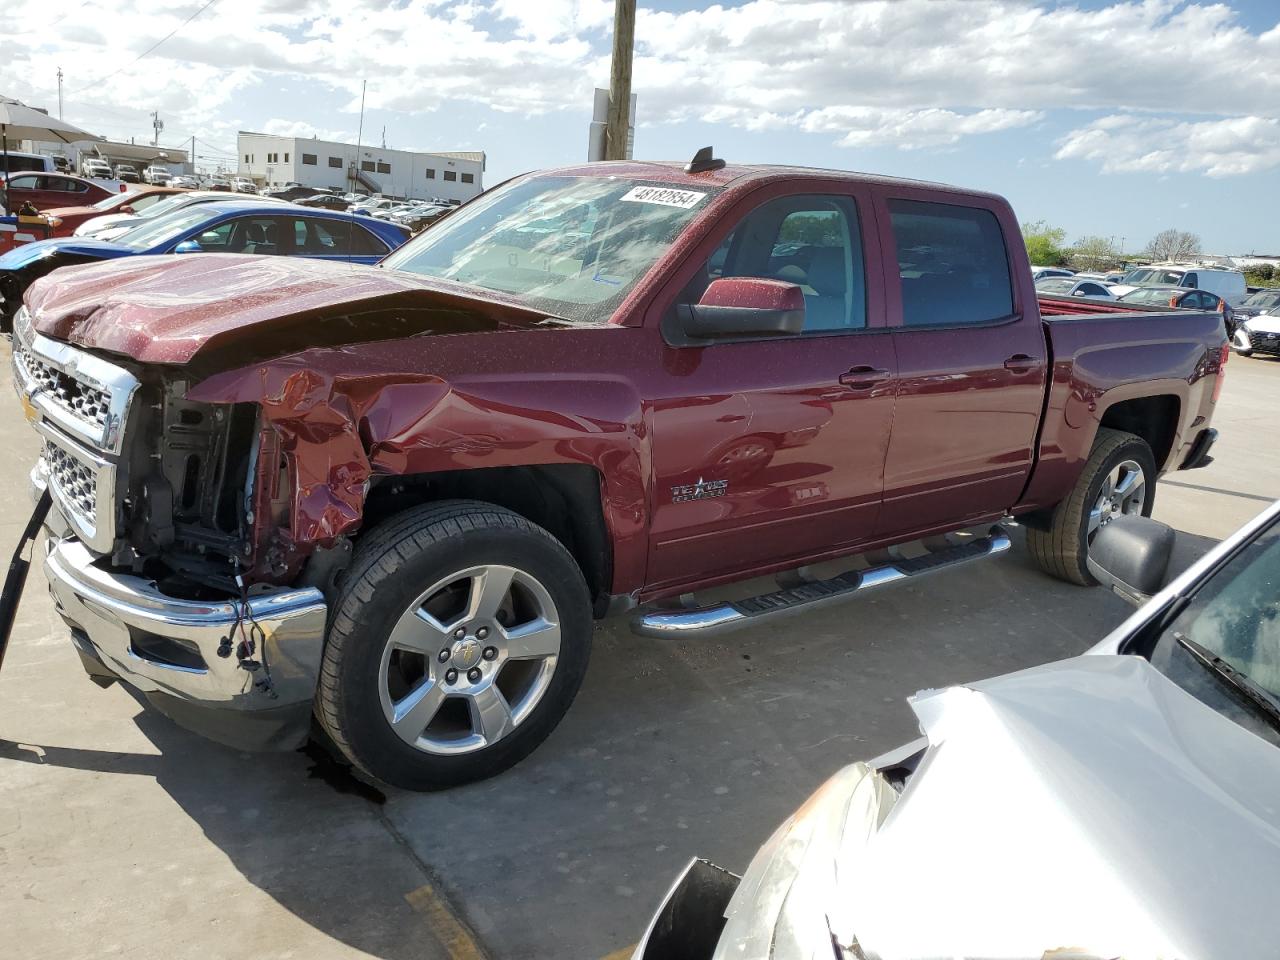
(972, 363)
(771, 450)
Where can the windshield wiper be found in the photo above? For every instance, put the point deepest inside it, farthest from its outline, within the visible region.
(1252, 693)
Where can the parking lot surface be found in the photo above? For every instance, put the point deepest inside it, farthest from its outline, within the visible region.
(122, 834)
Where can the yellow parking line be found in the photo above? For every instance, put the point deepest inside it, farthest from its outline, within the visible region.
(623, 954)
(445, 927)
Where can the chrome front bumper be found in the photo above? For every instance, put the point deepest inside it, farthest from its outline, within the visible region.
(168, 648)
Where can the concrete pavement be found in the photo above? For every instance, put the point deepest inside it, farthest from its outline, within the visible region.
(121, 834)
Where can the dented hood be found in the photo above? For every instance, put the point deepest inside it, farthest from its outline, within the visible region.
(1087, 809)
(180, 309)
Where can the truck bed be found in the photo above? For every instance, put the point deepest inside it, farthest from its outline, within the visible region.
(1051, 307)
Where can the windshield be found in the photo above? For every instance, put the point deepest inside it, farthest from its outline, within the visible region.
(1264, 299)
(570, 246)
(1056, 284)
(1151, 277)
(1150, 295)
(1235, 615)
(152, 233)
(112, 201)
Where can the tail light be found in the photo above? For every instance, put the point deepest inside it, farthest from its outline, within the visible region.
(1222, 370)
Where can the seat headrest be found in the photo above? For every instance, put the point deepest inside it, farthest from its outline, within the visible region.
(827, 271)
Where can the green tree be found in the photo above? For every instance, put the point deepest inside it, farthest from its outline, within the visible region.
(1044, 243)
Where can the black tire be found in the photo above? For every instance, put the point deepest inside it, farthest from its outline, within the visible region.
(396, 561)
(1062, 549)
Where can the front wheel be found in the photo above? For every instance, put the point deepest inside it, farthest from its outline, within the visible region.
(459, 640)
(1118, 478)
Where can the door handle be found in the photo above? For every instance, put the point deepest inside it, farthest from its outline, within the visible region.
(862, 377)
(1021, 362)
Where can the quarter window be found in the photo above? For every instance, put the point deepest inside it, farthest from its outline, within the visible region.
(952, 262)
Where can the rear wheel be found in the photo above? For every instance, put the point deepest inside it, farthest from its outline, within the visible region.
(457, 644)
(1119, 478)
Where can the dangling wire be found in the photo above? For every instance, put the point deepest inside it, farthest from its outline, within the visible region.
(249, 643)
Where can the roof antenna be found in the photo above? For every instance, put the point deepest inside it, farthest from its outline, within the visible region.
(703, 161)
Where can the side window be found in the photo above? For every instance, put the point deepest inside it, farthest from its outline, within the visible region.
(1093, 290)
(256, 235)
(24, 183)
(335, 238)
(1190, 280)
(953, 264)
(811, 241)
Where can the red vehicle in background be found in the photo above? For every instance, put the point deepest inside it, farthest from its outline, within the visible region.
(46, 190)
(63, 221)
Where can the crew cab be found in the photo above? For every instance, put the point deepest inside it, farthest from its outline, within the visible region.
(398, 496)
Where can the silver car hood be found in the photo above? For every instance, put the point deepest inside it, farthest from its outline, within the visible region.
(1087, 808)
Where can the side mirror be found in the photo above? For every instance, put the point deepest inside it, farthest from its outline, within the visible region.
(188, 246)
(1130, 555)
(745, 306)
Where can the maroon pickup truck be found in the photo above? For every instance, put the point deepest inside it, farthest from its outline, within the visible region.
(396, 497)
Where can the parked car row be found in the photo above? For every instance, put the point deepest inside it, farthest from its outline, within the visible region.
(161, 220)
(1159, 285)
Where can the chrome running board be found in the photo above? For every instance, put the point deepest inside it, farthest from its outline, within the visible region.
(721, 617)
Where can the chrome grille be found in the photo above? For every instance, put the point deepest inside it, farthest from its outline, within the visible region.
(79, 404)
(75, 483)
(75, 396)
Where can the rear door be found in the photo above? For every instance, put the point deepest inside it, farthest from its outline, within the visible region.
(770, 449)
(323, 238)
(972, 361)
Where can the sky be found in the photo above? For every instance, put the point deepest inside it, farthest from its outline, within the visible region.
(1117, 119)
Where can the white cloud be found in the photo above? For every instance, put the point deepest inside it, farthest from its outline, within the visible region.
(1124, 143)
(915, 74)
(911, 129)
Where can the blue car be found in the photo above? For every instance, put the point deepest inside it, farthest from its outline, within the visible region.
(222, 227)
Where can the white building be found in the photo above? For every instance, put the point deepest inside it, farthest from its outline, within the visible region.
(273, 161)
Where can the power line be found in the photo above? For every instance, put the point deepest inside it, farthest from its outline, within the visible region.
(149, 49)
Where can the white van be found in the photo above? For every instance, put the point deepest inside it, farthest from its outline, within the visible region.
(17, 162)
(1225, 283)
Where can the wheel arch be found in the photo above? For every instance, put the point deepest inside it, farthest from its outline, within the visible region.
(1155, 419)
(566, 499)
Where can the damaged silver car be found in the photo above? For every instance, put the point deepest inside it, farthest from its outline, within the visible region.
(1124, 803)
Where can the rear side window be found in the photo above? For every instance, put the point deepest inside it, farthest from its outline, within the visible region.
(335, 238)
(952, 262)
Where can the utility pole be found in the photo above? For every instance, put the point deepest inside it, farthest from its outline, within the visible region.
(59, 93)
(156, 125)
(624, 32)
(192, 158)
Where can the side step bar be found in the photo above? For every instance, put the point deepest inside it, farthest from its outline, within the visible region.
(721, 617)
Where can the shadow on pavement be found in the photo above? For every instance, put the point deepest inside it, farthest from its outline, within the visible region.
(672, 750)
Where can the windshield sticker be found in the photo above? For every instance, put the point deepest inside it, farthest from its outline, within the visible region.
(667, 197)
